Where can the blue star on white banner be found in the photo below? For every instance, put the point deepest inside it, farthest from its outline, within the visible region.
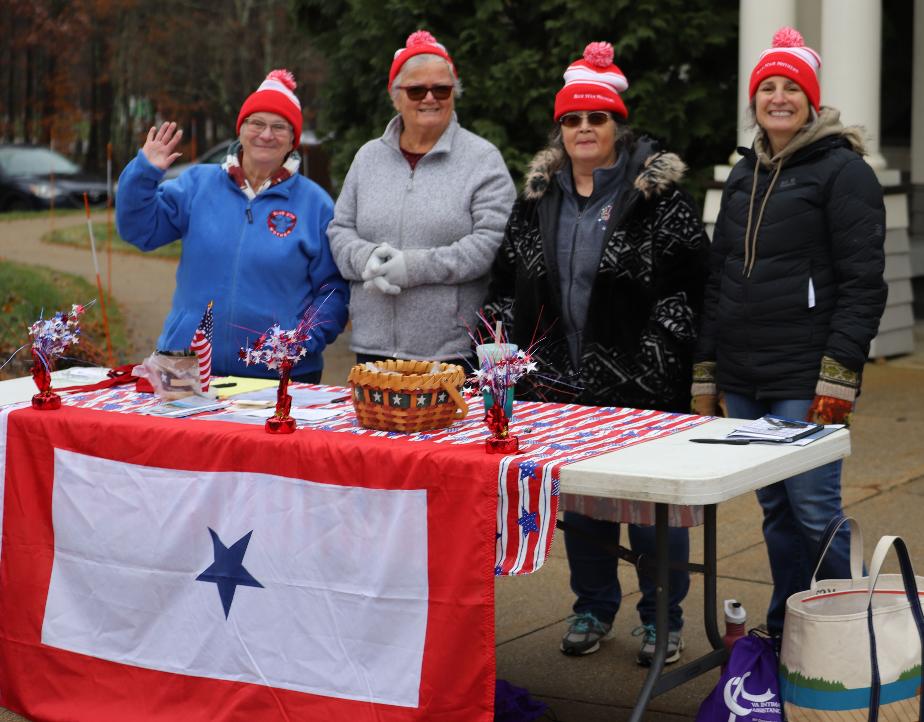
(324, 583)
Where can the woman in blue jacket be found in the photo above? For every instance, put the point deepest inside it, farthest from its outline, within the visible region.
(254, 234)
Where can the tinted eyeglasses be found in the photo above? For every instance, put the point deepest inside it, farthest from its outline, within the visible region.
(573, 120)
(257, 126)
(419, 92)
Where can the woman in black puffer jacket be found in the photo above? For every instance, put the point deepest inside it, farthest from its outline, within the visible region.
(794, 296)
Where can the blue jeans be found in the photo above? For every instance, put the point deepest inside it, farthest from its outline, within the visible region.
(796, 511)
(593, 569)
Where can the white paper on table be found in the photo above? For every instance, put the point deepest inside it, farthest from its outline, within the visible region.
(187, 406)
(300, 397)
(83, 374)
(230, 416)
(297, 414)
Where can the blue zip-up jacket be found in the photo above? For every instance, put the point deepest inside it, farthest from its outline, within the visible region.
(262, 261)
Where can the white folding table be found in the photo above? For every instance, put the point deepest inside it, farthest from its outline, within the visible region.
(674, 470)
(668, 470)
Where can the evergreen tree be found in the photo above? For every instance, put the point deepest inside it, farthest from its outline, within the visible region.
(680, 57)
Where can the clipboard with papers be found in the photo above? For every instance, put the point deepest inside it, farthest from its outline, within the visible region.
(771, 429)
(775, 429)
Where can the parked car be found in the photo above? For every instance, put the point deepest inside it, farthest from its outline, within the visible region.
(32, 176)
(215, 154)
(315, 162)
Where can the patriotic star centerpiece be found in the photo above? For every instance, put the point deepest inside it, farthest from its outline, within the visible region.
(280, 349)
(50, 339)
(501, 365)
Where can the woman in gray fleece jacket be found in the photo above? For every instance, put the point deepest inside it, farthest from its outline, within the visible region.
(420, 218)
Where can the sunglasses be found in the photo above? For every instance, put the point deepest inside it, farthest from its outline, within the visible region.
(419, 92)
(573, 120)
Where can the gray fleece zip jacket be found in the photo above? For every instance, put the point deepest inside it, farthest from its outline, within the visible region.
(447, 216)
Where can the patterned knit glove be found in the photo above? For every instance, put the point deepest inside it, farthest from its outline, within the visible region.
(704, 379)
(829, 410)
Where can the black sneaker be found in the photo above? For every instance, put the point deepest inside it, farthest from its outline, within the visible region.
(585, 634)
(646, 651)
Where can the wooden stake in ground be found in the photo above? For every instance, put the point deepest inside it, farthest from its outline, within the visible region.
(99, 284)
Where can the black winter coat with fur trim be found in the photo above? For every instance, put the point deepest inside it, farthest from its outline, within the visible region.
(645, 300)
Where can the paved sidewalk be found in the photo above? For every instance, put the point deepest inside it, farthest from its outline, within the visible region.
(883, 487)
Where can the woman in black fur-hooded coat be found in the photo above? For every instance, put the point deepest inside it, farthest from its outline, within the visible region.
(603, 264)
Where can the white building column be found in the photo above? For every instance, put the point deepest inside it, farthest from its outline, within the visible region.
(851, 56)
(758, 20)
(917, 147)
(917, 96)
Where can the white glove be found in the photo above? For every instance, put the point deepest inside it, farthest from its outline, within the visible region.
(379, 283)
(382, 253)
(395, 269)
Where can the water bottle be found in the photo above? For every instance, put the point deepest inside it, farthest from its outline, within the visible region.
(735, 619)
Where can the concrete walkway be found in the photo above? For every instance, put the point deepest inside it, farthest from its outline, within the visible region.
(883, 487)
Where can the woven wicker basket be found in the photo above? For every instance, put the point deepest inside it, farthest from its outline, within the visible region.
(405, 396)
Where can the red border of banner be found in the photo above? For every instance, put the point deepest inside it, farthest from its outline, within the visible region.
(44, 683)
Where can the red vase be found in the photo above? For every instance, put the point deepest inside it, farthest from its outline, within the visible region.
(281, 422)
(500, 441)
(507, 445)
(45, 399)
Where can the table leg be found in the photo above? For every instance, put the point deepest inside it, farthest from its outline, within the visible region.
(657, 682)
(661, 614)
(709, 570)
(710, 577)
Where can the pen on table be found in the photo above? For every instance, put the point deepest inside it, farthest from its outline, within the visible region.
(226, 385)
(737, 442)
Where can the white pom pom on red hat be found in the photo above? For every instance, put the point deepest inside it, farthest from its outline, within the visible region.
(787, 37)
(600, 55)
(283, 76)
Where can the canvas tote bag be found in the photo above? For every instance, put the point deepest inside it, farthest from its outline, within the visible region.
(852, 648)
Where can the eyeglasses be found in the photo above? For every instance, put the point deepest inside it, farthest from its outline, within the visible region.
(574, 120)
(257, 127)
(419, 92)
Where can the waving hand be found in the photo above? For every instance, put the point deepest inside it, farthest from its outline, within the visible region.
(160, 146)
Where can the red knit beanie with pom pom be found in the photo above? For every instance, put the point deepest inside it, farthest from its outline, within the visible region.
(793, 59)
(418, 43)
(275, 95)
(593, 83)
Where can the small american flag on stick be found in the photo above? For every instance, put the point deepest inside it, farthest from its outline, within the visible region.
(202, 346)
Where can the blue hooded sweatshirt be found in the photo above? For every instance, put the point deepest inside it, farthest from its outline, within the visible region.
(261, 261)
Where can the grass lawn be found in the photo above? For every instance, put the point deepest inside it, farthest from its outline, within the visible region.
(29, 291)
(78, 236)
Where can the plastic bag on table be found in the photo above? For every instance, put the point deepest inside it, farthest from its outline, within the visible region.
(172, 374)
